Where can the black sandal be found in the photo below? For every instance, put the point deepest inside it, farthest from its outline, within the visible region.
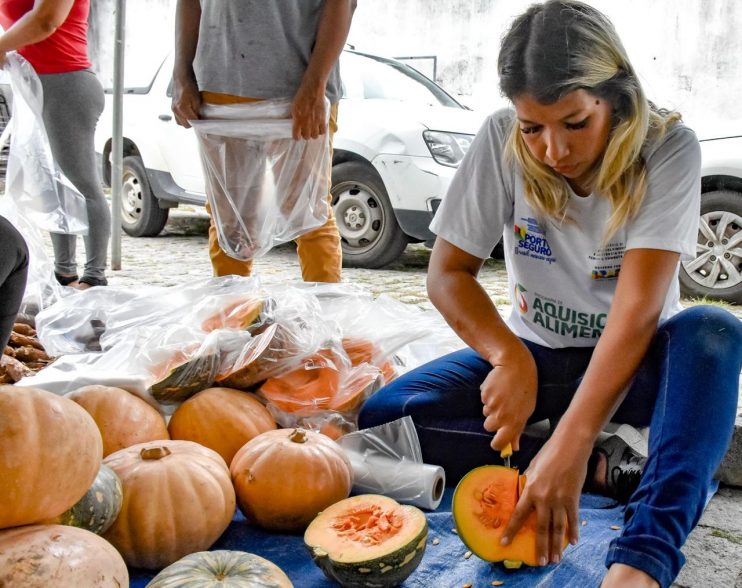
(66, 280)
(93, 281)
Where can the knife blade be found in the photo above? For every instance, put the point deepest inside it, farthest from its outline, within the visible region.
(506, 453)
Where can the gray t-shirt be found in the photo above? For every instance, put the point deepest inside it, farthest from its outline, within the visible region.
(258, 48)
(562, 278)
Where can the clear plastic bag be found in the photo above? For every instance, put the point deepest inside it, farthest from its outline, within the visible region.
(264, 188)
(42, 288)
(41, 191)
(387, 460)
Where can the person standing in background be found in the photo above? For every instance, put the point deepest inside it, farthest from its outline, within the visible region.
(238, 52)
(52, 36)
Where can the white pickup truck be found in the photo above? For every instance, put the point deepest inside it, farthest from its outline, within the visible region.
(399, 142)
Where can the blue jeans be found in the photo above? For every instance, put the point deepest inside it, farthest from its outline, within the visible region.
(685, 389)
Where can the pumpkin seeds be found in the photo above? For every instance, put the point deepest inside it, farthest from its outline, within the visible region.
(467, 555)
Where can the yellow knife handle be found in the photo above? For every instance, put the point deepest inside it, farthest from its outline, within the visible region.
(507, 451)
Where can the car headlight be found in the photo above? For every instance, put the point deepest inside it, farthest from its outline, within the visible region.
(447, 148)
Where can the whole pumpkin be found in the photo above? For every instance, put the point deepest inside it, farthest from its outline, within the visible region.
(123, 418)
(99, 507)
(221, 419)
(50, 452)
(215, 569)
(283, 478)
(44, 556)
(178, 499)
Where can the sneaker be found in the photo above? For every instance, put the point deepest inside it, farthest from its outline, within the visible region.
(624, 468)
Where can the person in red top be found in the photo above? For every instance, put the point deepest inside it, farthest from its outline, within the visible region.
(52, 36)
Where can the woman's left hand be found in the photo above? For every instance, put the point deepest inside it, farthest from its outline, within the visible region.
(553, 484)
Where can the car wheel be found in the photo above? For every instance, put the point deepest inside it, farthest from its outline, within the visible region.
(141, 215)
(716, 272)
(369, 232)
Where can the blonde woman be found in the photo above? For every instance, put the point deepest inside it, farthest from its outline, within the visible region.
(595, 193)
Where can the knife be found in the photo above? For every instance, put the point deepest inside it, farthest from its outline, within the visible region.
(506, 453)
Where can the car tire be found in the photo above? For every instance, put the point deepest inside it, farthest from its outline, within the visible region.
(141, 215)
(369, 232)
(717, 270)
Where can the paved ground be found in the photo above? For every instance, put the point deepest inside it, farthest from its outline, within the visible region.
(714, 550)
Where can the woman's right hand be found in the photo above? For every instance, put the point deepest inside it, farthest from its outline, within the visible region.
(509, 395)
(186, 102)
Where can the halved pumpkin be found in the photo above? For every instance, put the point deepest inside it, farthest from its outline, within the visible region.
(367, 540)
(364, 351)
(222, 567)
(181, 376)
(483, 503)
(242, 313)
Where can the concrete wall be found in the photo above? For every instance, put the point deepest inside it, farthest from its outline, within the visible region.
(688, 52)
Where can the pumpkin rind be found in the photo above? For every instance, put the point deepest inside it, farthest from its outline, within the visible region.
(99, 507)
(283, 478)
(221, 568)
(123, 418)
(55, 556)
(366, 557)
(50, 452)
(483, 502)
(178, 499)
(221, 419)
(183, 380)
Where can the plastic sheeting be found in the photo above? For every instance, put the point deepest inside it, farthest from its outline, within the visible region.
(443, 565)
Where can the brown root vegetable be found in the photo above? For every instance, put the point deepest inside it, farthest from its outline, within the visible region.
(31, 354)
(24, 329)
(13, 369)
(18, 340)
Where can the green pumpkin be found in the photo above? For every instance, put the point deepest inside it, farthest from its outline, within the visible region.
(99, 507)
(355, 553)
(221, 569)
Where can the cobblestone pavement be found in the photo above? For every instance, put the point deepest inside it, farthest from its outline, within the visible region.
(714, 549)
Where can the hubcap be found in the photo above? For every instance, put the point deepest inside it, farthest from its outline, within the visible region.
(718, 262)
(131, 198)
(359, 215)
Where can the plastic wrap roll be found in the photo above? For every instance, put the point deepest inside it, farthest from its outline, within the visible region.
(406, 481)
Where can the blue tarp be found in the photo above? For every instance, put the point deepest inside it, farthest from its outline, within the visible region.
(443, 565)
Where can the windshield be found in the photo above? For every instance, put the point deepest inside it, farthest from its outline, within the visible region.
(369, 78)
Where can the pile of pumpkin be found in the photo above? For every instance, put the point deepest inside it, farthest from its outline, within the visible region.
(23, 355)
(95, 481)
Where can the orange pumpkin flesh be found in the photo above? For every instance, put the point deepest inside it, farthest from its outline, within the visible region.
(283, 478)
(362, 351)
(178, 499)
(483, 503)
(239, 314)
(122, 418)
(50, 453)
(221, 419)
(316, 385)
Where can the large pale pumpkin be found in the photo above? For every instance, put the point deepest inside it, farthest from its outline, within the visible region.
(54, 556)
(221, 419)
(283, 478)
(50, 452)
(123, 418)
(178, 499)
(216, 569)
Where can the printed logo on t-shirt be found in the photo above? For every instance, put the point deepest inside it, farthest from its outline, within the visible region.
(520, 299)
(606, 261)
(552, 315)
(531, 241)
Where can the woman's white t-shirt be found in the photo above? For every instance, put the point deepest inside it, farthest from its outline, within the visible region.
(562, 278)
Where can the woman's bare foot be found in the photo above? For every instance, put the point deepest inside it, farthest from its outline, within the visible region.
(623, 576)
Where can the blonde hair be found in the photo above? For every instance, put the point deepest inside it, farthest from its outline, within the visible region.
(553, 49)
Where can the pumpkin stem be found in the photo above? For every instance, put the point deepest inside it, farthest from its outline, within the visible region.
(298, 436)
(154, 452)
